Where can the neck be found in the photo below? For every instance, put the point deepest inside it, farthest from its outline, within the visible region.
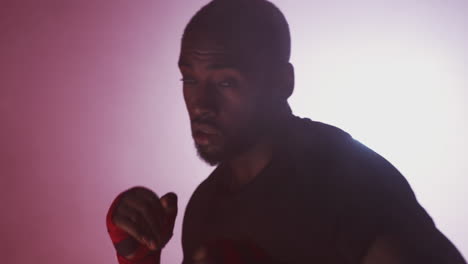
(246, 166)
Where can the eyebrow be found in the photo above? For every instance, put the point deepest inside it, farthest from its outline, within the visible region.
(184, 64)
(220, 66)
(213, 66)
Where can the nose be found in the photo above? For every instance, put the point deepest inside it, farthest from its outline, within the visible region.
(202, 102)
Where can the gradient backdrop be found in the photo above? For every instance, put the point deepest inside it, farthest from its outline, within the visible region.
(91, 104)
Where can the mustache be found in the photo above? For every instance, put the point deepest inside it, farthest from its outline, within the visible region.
(203, 121)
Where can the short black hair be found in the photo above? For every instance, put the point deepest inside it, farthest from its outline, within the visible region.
(247, 25)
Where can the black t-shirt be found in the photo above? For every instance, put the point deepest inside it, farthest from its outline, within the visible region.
(323, 198)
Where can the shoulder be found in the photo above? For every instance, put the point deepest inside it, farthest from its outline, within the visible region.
(196, 211)
(201, 197)
(371, 196)
(363, 173)
(338, 155)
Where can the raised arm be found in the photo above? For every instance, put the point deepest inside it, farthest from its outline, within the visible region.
(140, 224)
(421, 245)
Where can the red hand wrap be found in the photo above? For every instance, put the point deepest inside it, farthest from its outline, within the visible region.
(236, 252)
(143, 255)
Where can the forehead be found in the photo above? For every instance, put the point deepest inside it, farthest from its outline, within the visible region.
(202, 48)
(209, 59)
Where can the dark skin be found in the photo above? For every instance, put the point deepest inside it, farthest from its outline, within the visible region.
(223, 94)
(146, 217)
(222, 101)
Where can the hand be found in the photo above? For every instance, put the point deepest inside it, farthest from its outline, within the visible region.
(230, 252)
(145, 217)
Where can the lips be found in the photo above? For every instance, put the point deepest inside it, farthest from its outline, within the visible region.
(204, 134)
(205, 128)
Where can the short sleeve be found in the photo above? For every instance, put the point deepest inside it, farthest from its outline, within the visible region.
(377, 200)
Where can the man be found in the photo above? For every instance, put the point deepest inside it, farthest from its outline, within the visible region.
(285, 189)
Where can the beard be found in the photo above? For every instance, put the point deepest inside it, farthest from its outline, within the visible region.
(211, 155)
(230, 143)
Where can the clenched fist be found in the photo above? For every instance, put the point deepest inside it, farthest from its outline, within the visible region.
(147, 220)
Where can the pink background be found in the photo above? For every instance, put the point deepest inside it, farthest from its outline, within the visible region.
(91, 104)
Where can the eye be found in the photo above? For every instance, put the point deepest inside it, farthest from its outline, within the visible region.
(188, 81)
(227, 83)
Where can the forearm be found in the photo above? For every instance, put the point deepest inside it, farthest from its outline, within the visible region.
(431, 247)
(128, 250)
(152, 258)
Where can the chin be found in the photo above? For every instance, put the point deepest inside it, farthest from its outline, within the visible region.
(223, 150)
(211, 155)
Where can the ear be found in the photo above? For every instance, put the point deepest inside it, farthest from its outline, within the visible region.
(288, 85)
(283, 81)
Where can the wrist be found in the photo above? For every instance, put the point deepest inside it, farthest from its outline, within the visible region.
(153, 257)
(129, 251)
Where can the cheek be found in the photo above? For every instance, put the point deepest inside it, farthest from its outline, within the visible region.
(238, 112)
(188, 98)
(185, 100)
